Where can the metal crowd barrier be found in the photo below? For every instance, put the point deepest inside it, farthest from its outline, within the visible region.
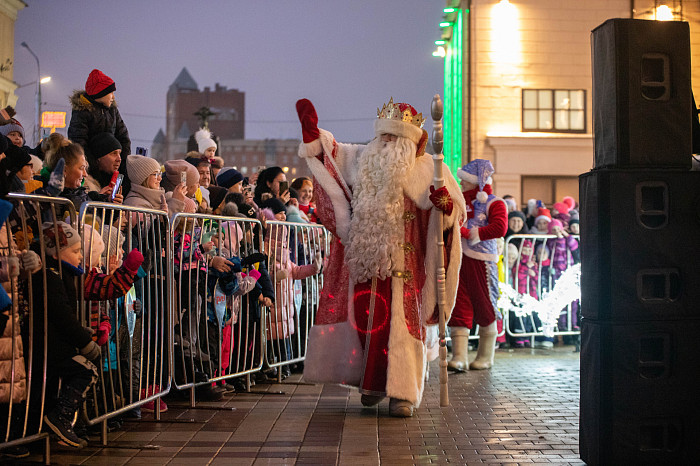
(182, 324)
(295, 253)
(218, 327)
(134, 370)
(533, 272)
(24, 408)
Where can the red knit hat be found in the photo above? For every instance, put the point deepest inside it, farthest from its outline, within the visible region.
(99, 84)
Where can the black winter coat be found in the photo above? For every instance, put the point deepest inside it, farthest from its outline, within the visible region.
(90, 118)
(65, 335)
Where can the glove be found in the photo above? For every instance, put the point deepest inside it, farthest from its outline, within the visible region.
(138, 307)
(147, 263)
(464, 232)
(255, 274)
(30, 261)
(133, 261)
(6, 115)
(308, 119)
(91, 351)
(55, 186)
(441, 199)
(103, 333)
(13, 265)
(318, 261)
(280, 274)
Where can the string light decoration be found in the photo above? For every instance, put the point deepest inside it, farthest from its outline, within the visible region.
(566, 290)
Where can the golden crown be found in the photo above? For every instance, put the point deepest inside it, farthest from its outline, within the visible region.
(401, 112)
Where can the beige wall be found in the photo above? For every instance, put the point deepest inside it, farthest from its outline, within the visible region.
(539, 44)
(8, 16)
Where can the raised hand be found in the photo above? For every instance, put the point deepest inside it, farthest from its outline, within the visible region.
(308, 119)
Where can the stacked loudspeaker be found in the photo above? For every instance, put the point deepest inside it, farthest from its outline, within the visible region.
(640, 243)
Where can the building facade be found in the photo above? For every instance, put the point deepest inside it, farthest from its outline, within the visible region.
(184, 99)
(518, 86)
(8, 16)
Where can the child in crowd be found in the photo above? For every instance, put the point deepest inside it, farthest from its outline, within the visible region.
(205, 143)
(94, 111)
(71, 348)
(562, 247)
(281, 322)
(541, 223)
(100, 287)
(530, 212)
(560, 211)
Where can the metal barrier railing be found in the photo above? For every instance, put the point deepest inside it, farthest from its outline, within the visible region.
(182, 320)
(218, 326)
(28, 318)
(295, 254)
(127, 309)
(541, 261)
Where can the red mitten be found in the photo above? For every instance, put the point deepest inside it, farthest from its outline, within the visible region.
(441, 199)
(133, 261)
(464, 232)
(103, 332)
(308, 119)
(255, 274)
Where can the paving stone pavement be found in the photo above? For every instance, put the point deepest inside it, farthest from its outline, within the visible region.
(523, 411)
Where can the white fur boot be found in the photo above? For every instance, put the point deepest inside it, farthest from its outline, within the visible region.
(487, 347)
(460, 349)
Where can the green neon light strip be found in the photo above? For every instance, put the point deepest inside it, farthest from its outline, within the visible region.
(453, 98)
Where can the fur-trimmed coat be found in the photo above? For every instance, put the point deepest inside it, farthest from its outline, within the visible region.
(89, 118)
(334, 351)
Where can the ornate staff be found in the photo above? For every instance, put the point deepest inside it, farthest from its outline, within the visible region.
(439, 182)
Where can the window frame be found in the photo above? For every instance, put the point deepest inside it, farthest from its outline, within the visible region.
(553, 109)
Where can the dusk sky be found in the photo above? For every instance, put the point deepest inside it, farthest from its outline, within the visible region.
(347, 56)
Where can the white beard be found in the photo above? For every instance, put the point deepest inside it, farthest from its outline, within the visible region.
(377, 225)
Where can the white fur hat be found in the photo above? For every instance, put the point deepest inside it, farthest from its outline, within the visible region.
(204, 140)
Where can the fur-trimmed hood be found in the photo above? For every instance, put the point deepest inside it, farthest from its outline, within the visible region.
(80, 101)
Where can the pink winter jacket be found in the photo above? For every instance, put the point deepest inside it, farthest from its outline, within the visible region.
(280, 322)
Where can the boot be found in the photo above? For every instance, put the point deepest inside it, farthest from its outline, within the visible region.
(400, 408)
(60, 419)
(487, 348)
(370, 400)
(460, 349)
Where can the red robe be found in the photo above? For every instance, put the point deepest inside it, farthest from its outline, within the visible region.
(388, 356)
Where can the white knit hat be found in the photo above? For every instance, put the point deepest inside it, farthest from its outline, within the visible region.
(62, 234)
(139, 168)
(204, 140)
(37, 164)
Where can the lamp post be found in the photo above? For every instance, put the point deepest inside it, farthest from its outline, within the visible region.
(37, 129)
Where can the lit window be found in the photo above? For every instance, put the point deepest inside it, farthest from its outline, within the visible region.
(554, 110)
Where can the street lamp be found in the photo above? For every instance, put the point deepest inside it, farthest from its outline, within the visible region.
(37, 128)
(43, 80)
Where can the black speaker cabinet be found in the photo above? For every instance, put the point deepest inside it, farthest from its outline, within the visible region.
(642, 103)
(640, 244)
(638, 393)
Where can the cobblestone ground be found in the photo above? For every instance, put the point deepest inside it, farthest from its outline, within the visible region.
(523, 411)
